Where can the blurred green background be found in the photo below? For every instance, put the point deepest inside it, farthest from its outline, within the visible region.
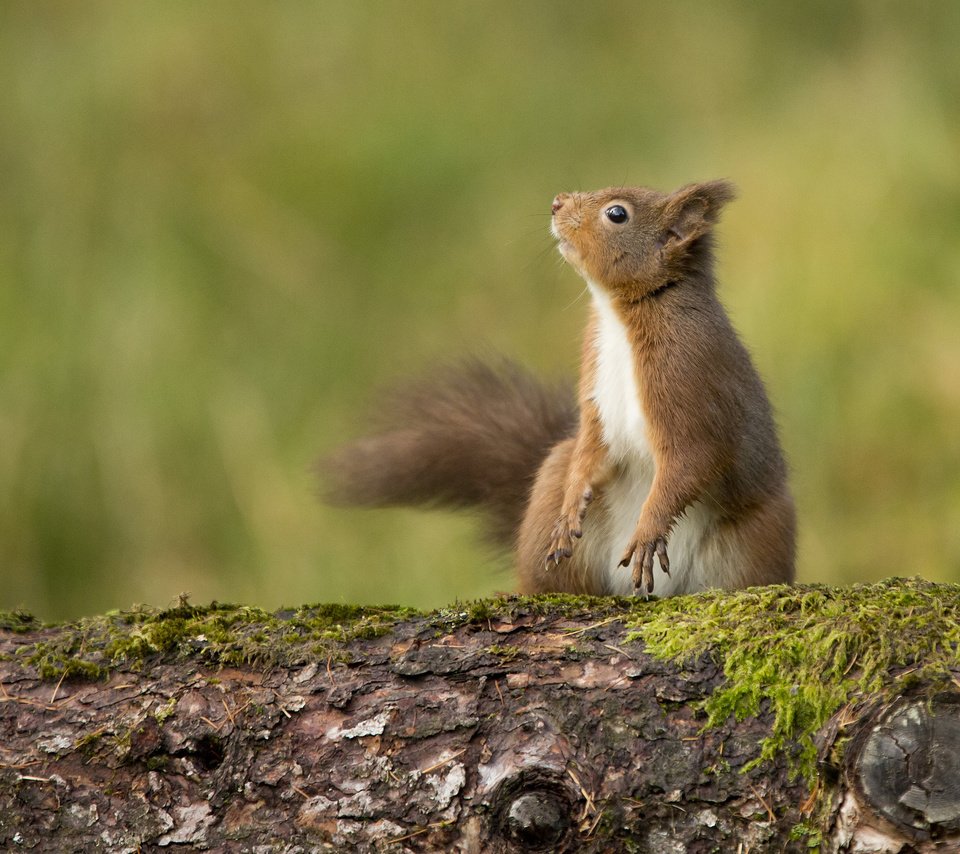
(224, 225)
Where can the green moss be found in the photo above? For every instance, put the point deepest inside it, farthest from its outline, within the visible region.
(158, 762)
(67, 660)
(234, 635)
(218, 634)
(18, 621)
(809, 832)
(800, 652)
(505, 652)
(555, 604)
(804, 651)
(88, 743)
(165, 711)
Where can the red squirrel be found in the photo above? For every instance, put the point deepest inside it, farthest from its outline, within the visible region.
(670, 461)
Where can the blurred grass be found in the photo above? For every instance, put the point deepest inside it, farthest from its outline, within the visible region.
(223, 226)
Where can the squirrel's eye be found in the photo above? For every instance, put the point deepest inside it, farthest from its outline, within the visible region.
(617, 214)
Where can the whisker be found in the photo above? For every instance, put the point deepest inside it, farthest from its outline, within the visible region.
(576, 299)
(538, 257)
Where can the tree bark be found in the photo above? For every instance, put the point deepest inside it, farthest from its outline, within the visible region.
(520, 727)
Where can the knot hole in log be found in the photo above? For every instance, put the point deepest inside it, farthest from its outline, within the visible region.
(908, 767)
(533, 811)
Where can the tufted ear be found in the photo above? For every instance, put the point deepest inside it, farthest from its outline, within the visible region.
(692, 210)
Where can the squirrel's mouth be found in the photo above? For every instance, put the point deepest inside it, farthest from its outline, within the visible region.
(567, 250)
(565, 246)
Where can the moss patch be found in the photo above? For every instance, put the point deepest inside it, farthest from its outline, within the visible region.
(805, 651)
(220, 634)
(217, 634)
(546, 604)
(18, 621)
(802, 652)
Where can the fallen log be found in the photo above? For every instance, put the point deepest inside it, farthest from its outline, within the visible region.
(773, 719)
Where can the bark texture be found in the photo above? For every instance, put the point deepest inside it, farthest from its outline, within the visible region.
(528, 726)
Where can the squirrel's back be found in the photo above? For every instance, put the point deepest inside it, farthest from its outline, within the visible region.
(471, 435)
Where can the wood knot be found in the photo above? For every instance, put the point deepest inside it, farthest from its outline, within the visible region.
(537, 820)
(908, 767)
(534, 811)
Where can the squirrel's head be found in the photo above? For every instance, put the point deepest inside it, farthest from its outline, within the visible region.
(632, 240)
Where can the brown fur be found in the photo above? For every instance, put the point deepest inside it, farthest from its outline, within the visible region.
(494, 438)
(471, 435)
(709, 423)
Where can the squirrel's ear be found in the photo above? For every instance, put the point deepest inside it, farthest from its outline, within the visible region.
(692, 210)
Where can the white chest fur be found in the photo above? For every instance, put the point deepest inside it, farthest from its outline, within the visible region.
(616, 393)
(615, 389)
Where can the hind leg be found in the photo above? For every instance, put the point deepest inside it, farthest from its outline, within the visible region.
(537, 574)
(762, 544)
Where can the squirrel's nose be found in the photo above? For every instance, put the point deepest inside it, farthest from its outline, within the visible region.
(558, 201)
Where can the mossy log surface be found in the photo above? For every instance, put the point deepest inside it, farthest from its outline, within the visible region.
(773, 719)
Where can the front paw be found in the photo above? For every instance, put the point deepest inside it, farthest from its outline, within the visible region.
(569, 527)
(641, 554)
(561, 543)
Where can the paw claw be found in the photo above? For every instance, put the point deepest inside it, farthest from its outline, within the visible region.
(561, 547)
(569, 528)
(642, 555)
(555, 557)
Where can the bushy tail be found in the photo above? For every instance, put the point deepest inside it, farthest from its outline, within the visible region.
(471, 435)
